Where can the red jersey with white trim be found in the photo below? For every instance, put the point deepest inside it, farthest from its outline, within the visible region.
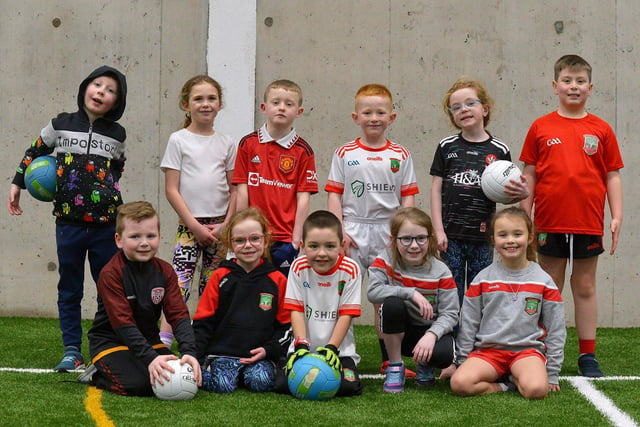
(275, 172)
(572, 158)
(372, 181)
(323, 298)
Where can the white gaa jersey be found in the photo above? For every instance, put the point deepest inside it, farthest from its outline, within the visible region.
(371, 181)
(323, 298)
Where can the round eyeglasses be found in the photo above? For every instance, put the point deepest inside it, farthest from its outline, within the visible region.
(421, 239)
(469, 103)
(241, 241)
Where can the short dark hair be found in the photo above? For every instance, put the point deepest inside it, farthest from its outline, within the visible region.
(322, 219)
(573, 63)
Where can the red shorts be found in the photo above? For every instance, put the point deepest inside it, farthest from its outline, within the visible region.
(502, 360)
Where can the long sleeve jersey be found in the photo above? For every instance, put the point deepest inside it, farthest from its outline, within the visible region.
(513, 310)
(132, 296)
(433, 280)
(240, 311)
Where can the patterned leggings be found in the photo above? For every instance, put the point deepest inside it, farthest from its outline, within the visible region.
(186, 254)
(465, 260)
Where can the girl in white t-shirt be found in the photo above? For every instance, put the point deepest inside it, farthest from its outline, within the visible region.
(198, 167)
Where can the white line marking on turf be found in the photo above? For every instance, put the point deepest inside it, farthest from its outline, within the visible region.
(372, 376)
(567, 378)
(602, 402)
(27, 370)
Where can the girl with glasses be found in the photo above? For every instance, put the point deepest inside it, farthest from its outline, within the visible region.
(240, 323)
(419, 300)
(460, 210)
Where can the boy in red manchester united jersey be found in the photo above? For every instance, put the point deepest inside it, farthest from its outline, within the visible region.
(572, 164)
(275, 171)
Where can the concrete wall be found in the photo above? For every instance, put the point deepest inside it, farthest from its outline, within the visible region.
(46, 49)
(417, 48)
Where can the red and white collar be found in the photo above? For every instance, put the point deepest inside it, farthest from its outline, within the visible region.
(285, 142)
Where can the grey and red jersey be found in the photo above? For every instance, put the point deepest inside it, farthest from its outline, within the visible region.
(513, 310)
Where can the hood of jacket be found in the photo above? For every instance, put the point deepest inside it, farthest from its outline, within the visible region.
(118, 110)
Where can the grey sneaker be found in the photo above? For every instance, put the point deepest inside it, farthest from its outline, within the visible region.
(71, 362)
(394, 380)
(87, 376)
(425, 375)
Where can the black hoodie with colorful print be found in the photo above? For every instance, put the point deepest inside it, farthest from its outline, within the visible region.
(89, 158)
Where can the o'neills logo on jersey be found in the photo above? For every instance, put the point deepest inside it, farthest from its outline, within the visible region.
(254, 180)
(156, 295)
(287, 162)
(375, 159)
(266, 301)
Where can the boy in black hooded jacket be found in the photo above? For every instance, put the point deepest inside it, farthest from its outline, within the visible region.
(89, 151)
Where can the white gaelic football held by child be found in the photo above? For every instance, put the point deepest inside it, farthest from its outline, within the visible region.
(181, 384)
(495, 179)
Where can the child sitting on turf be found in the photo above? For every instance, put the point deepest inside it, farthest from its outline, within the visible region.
(418, 297)
(323, 294)
(240, 324)
(512, 329)
(134, 289)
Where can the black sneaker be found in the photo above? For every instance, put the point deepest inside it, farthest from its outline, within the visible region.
(507, 381)
(588, 366)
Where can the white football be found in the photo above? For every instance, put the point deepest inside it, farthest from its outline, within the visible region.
(181, 385)
(495, 176)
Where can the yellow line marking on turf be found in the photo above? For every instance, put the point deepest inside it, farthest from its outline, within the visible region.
(94, 408)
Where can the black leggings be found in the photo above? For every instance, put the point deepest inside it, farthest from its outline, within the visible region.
(394, 319)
